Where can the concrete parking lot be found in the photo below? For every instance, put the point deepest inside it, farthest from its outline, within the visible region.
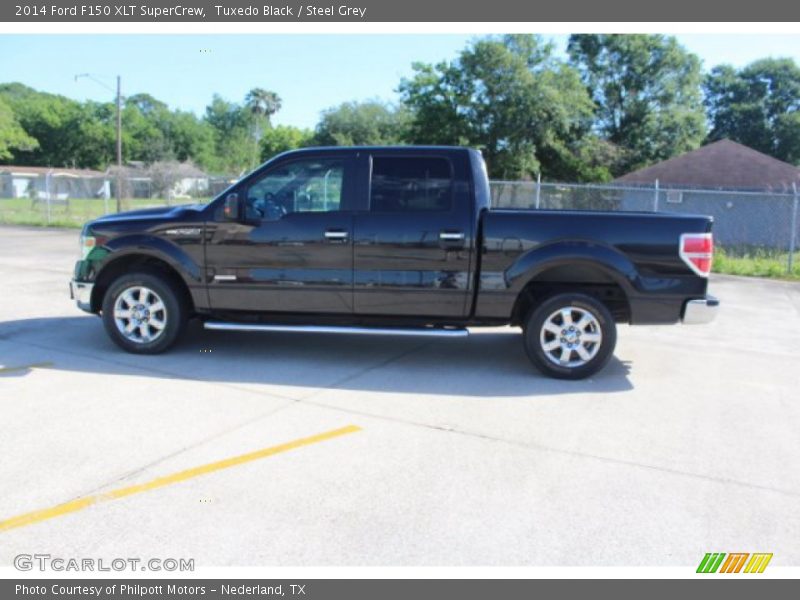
(462, 454)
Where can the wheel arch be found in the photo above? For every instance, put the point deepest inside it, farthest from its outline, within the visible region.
(138, 262)
(596, 271)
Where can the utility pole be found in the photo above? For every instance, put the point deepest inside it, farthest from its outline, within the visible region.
(119, 143)
(793, 232)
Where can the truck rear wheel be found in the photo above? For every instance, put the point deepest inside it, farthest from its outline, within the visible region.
(143, 313)
(570, 336)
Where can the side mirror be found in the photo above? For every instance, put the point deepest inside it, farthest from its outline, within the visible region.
(230, 209)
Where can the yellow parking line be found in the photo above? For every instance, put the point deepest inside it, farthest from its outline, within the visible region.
(41, 365)
(47, 513)
(81, 503)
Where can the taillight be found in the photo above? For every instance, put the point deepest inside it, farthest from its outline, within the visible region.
(697, 251)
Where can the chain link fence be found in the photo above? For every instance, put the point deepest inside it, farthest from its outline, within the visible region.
(746, 223)
(70, 197)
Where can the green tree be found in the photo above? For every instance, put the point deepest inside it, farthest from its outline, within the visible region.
(758, 106)
(161, 134)
(508, 96)
(93, 140)
(12, 135)
(73, 134)
(362, 123)
(142, 138)
(191, 138)
(238, 128)
(147, 104)
(230, 123)
(56, 123)
(647, 92)
(283, 138)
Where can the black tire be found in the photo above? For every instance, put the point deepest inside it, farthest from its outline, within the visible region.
(172, 316)
(546, 346)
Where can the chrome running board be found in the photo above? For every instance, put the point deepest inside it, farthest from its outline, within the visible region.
(407, 331)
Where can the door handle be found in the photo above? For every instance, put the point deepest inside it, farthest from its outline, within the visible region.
(451, 236)
(336, 234)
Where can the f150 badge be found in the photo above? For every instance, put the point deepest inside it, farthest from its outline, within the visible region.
(183, 231)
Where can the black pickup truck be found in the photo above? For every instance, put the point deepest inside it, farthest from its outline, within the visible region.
(400, 241)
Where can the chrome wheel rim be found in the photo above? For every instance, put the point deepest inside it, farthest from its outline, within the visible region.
(140, 314)
(571, 337)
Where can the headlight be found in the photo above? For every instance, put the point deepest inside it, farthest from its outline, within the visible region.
(87, 242)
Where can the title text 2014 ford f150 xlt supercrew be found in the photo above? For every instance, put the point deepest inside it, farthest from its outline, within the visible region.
(392, 241)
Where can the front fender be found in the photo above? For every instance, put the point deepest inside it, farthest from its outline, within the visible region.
(155, 247)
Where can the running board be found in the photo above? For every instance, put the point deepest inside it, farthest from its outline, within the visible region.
(408, 331)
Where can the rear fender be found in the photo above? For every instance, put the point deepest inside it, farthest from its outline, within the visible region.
(609, 261)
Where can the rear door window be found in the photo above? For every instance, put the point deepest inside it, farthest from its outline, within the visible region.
(411, 184)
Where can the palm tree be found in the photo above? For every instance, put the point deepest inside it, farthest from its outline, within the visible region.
(261, 104)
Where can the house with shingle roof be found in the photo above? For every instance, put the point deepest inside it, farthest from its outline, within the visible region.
(720, 165)
(749, 194)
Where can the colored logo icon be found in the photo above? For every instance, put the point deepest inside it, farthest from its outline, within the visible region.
(734, 562)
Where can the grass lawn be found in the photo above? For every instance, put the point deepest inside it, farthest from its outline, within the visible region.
(756, 263)
(74, 213)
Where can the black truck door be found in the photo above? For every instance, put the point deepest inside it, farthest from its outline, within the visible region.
(413, 247)
(292, 250)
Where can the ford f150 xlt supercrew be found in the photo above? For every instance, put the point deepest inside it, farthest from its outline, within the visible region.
(398, 241)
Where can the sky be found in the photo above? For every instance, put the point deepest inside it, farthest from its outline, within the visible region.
(310, 72)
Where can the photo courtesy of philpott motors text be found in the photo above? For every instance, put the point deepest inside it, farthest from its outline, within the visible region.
(100, 590)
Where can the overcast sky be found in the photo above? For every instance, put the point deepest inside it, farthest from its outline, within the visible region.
(309, 72)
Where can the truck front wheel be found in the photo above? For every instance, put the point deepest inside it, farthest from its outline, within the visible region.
(143, 313)
(570, 336)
